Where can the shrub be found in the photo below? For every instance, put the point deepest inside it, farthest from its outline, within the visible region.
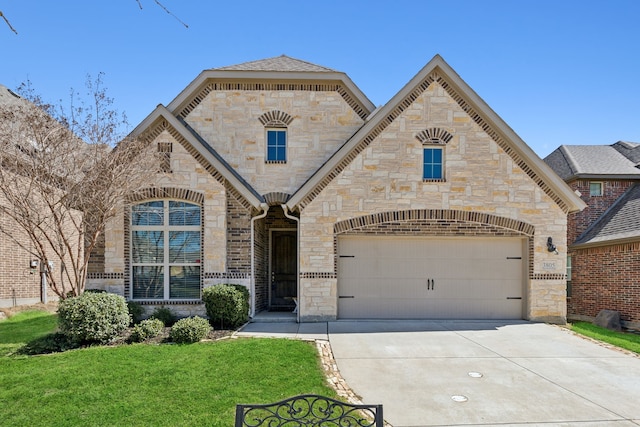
(190, 330)
(227, 305)
(136, 310)
(164, 314)
(93, 317)
(146, 329)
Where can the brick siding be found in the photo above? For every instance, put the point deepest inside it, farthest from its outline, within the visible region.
(606, 278)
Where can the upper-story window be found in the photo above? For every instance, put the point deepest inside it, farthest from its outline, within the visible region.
(434, 142)
(277, 145)
(276, 125)
(165, 250)
(432, 168)
(595, 189)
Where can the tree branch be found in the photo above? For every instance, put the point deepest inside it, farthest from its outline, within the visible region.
(8, 23)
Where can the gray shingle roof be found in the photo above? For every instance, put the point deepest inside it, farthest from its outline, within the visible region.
(9, 97)
(601, 161)
(278, 63)
(621, 221)
(631, 150)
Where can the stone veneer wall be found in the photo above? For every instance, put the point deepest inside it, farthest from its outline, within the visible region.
(229, 120)
(386, 176)
(188, 180)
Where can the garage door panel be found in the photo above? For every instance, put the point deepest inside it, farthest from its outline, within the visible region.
(405, 277)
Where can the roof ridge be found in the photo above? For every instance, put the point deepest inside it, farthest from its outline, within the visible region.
(571, 161)
(281, 63)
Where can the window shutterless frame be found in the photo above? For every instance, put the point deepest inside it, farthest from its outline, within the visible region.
(166, 250)
(433, 163)
(276, 145)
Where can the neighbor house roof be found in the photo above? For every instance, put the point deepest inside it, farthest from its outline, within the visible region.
(621, 222)
(631, 150)
(437, 70)
(592, 162)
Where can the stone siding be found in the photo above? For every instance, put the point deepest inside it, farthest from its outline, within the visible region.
(229, 121)
(187, 176)
(386, 176)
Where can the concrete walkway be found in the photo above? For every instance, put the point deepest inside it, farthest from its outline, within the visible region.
(476, 373)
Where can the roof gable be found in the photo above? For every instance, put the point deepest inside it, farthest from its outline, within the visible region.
(437, 70)
(620, 222)
(161, 119)
(281, 73)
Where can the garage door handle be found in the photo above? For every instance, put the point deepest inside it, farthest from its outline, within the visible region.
(514, 297)
(346, 296)
(430, 284)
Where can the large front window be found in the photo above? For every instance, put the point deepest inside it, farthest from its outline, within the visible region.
(165, 250)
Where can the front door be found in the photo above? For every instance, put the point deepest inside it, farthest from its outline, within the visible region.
(283, 269)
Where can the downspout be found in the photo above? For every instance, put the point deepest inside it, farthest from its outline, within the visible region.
(252, 286)
(297, 220)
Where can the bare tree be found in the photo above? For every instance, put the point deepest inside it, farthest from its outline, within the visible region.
(163, 7)
(64, 173)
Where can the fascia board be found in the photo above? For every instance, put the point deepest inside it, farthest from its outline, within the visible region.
(607, 177)
(164, 113)
(196, 85)
(610, 242)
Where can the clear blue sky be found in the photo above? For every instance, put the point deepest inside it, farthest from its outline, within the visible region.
(558, 72)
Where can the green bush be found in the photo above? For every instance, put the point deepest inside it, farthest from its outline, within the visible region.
(227, 305)
(190, 330)
(136, 310)
(146, 329)
(164, 314)
(93, 317)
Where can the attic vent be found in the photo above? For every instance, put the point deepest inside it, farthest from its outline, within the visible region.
(275, 118)
(434, 136)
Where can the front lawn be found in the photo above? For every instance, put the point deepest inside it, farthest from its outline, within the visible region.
(628, 341)
(159, 385)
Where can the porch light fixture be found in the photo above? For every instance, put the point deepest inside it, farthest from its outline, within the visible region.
(551, 247)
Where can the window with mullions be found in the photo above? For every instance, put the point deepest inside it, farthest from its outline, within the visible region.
(432, 168)
(165, 250)
(277, 145)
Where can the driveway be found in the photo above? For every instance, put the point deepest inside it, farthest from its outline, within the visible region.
(476, 373)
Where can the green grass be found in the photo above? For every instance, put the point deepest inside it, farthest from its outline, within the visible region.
(24, 327)
(625, 340)
(153, 385)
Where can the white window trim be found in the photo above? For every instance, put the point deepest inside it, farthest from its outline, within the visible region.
(601, 188)
(166, 229)
(266, 145)
(441, 147)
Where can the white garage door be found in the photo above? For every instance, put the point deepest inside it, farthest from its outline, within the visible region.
(426, 278)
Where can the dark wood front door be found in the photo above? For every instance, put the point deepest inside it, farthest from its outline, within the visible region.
(283, 269)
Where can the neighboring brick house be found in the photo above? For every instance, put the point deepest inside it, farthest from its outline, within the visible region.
(20, 275)
(604, 239)
(281, 175)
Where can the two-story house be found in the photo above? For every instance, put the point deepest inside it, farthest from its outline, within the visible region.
(604, 238)
(281, 175)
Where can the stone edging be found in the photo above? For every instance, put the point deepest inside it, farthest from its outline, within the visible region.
(333, 374)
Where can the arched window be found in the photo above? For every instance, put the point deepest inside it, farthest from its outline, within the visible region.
(165, 250)
(276, 123)
(433, 148)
